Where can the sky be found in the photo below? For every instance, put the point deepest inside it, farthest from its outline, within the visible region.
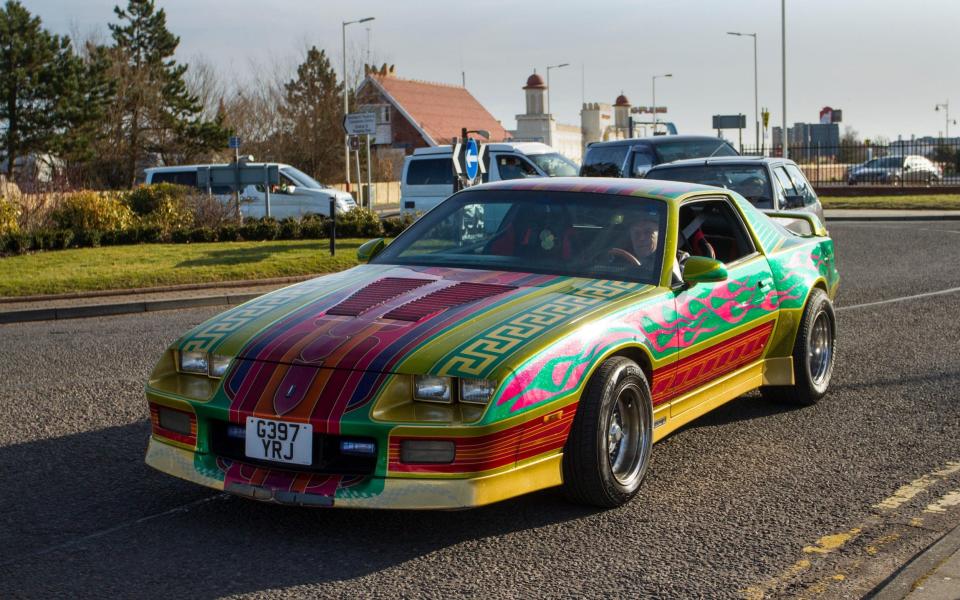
(885, 63)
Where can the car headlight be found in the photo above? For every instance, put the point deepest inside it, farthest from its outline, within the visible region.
(431, 388)
(477, 391)
(203, 363)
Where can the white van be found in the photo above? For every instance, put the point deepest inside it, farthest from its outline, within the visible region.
(428, 172)
(298, 193)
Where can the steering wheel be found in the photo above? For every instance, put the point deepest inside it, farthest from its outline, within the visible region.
(621, 254)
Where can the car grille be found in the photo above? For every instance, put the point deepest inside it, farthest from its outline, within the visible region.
(227, 440)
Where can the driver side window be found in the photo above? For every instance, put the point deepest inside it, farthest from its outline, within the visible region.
(713, 227)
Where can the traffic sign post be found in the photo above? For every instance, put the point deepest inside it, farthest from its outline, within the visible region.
(362, 123)
(467, 161)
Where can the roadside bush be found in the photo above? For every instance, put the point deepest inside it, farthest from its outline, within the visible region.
(203, 235)
(289, 229)
(263, 229)
(208, 211)
(44, 239)
(19, 243)
(150, 234)
(85, 211)
(313, 229)
(394, 226)
(359, 222)
(87, 238)
(228, 233)
(180, 236)
(62, 239)
(9, 215)
(162, 205)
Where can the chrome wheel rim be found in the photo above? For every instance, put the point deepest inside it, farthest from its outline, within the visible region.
(625, 437)
(820, 348)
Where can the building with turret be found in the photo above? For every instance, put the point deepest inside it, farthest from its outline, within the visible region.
(538, 125)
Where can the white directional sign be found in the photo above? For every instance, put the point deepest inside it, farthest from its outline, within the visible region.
(362, 123)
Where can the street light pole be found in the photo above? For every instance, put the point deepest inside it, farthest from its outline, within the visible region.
(783, 66)
(654, 107)
(560, 66)
(756, 104)
(946, 109)
(346, 94)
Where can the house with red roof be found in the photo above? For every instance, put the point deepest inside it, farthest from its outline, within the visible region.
(415, 114)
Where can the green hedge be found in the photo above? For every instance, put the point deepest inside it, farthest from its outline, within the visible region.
(359, 223)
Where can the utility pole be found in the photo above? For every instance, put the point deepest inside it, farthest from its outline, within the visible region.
(548, 82)
(756, 103)
(654, 107)
(783, 65)
(946, 109)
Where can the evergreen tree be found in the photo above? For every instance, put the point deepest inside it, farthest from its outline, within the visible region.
(154, 111)
(39, 79)
(313, 115)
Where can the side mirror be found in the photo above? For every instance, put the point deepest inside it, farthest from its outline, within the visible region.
(368, 250)
(700, 269)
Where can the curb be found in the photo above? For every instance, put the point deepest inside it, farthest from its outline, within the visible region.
(902, 582)
(939, 217)
(104, 310)
(159, 290)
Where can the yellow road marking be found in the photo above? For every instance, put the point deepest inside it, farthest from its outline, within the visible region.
(829, 543)
(946, 501)
(907, 492)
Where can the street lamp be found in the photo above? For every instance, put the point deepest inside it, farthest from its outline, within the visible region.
(784, 142)
(654, 107)
(548, 81)
(346, 94)
(946, 109)
(756, 110)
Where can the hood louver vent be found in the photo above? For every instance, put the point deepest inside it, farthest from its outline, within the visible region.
(375, 294)
(455, 295)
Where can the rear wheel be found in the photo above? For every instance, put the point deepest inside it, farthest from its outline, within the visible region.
(813, 354)
(609, 445)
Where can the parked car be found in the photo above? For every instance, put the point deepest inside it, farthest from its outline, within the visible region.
(297, 194)
(895, 170)
(428, 172)
(634, 157)
(552, 349)
(768, 183)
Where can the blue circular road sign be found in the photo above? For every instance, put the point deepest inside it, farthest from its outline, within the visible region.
(471, 158)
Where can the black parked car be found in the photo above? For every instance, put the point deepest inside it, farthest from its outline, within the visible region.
(634, 157)
(768, 183)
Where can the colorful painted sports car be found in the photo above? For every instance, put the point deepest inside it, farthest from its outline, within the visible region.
(521, 335)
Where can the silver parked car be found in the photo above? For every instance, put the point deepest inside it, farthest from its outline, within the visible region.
(895, 170)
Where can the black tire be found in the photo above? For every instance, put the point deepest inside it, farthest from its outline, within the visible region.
(813, 354)
(600, 468)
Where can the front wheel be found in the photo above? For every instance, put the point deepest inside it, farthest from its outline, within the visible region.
(609, 445)
(813, 354)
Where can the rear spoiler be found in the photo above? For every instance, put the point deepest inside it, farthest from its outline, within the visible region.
(800, 222)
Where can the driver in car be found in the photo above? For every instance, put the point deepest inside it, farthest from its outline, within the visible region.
(644, 236)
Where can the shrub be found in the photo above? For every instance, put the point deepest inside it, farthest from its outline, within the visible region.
(266, 228)
(87, 238)
(180, 236)
(289, 229)
(203, 234)
(19, 243)
(313, 229)
(394, 226)
(162, 205)
(62, 239)
(44, 239)
(228, 233)
(359, 222)
(9, 214)
(82, 211)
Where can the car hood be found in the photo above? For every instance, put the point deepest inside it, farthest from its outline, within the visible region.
(389, 319)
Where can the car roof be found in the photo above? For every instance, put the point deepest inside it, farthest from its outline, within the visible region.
(187, 168)
(657, 139)
(522, 147)
(724, 160)
(648, 188)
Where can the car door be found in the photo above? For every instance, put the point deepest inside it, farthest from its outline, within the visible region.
(724, 326)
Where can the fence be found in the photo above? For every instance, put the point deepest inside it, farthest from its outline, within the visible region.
(907, 163)
(386, 194)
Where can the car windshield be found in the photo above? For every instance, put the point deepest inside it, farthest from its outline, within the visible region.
(563, 233)
(679, 150)
(750, 181)
(555, 164)
(302, 178)
(604, 161)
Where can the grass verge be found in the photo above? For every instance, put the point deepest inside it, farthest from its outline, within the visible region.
(927, 202)
(148, 265)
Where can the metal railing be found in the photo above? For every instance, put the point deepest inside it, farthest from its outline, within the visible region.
(907, 163)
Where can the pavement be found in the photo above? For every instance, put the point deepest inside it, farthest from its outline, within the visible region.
(858, 495)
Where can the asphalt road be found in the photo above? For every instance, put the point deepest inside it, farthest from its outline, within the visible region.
(754, 499)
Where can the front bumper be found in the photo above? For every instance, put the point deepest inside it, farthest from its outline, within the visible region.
(373, 492)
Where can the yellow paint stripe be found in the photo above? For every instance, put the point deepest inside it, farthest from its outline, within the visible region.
(829, 543)
(948, 500)
(909, 491)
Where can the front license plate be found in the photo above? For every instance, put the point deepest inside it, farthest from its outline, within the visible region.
(279, 441)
